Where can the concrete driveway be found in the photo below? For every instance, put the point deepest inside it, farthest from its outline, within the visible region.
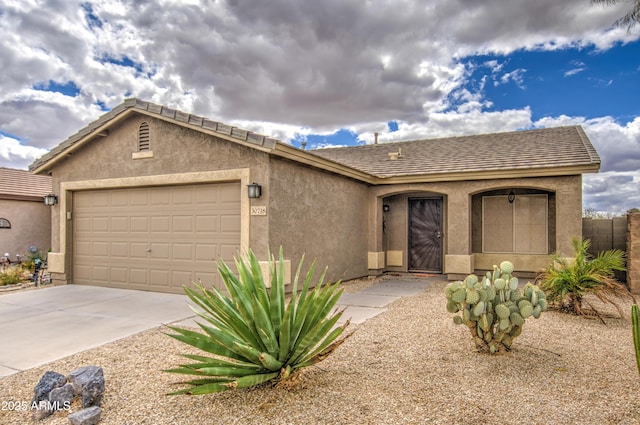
(42, 325)
(39, 326)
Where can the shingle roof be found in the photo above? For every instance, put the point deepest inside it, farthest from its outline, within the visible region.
(21, 184)
(552, 151)
(531, 149)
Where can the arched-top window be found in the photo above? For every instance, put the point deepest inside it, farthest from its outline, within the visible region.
(143, 137)
(5, 224)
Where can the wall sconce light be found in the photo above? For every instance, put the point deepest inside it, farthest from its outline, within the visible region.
(254, 190)
(511, 197)
(386, 208)
(50, 200)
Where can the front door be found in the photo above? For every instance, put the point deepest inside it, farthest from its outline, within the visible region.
(425, 234)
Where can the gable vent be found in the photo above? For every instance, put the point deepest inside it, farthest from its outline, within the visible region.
(143, 137)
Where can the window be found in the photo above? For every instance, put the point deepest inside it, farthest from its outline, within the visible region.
(518, 227)
(143, 137)
(5, 224)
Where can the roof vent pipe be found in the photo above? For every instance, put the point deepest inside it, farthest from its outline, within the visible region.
(375, 142)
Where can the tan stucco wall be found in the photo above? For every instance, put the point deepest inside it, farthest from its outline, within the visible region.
(180, 156)
(459, 258)
(321, 215)
(30, 225)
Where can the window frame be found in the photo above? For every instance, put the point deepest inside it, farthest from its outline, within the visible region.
(514, 224)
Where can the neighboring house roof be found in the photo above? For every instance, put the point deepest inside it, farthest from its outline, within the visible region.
(549, 148)
(23, 185)
(545, 152)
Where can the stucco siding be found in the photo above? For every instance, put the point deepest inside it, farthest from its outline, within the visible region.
(460, 246)
(321, 215)
(30, 225)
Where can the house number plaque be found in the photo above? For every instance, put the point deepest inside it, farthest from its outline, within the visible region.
(259, 210)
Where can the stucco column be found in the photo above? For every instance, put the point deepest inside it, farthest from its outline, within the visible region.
(375, 254)
(458, 259)
(568, 216)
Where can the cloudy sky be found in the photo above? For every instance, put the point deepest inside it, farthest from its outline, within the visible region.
(330, 72)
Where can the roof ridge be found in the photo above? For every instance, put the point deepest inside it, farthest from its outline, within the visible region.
(464, 136)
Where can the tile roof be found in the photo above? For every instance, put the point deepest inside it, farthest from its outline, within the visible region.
(530, 149)
(21, 184)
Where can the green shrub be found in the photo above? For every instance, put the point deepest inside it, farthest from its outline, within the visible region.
(567, 281)
(494, 309)
(253, 334)
(11, 276)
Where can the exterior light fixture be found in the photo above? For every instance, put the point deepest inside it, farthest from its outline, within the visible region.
(511, 197)
(254, 190)
(50, 200)
(386, 208)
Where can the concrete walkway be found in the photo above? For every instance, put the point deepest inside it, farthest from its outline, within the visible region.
(43, 325)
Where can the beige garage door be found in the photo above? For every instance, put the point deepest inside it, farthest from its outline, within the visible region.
(155, 238)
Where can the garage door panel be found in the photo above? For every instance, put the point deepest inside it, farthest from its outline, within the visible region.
(160, 251)
(139, 224)
(119, 274)
(183, 196)
(81, 272)
(138, 197)
(138, 276)
(119, 224)
(160, 224)
(182, 251)
(183, 223)
(100, 273)
(100, 199)
(207, 223)
(100, 224)
(160, 196)
(100, 249)
(157, 238)
(206, 252)
(139, 250)
(180, 278)
(159, 278)
(120, 250)
(119, 199)
(229, 224)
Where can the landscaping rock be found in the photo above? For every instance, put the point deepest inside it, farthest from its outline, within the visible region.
(48, 382)
(60, 398)
(88, 381)
(88, 416)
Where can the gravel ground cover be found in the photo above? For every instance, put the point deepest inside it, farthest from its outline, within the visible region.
(409, 365)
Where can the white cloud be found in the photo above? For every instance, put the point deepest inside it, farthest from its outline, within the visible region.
(573, 71)
(15, 155)
(290, 69)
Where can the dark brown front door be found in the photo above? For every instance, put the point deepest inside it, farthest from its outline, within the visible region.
(425, 234)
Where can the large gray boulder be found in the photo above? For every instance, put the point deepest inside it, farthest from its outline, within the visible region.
(61, 398)
(88, 382)
(49, 381)
(88, 416)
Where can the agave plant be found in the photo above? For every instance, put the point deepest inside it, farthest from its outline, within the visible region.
(567, 281)
(252, 335)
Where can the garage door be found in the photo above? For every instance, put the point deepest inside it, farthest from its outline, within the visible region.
(155, 238)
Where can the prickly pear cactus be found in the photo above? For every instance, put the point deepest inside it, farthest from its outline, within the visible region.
(494, 308)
